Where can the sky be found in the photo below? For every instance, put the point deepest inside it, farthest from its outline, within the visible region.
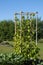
(9, 7)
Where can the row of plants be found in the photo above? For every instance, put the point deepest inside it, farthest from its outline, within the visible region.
(15, 59)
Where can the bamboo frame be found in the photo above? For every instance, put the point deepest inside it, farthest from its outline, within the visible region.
(25, 13)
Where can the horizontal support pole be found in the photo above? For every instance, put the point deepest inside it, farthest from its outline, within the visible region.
(26, 13)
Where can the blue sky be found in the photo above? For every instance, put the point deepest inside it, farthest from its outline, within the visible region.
(9, 7)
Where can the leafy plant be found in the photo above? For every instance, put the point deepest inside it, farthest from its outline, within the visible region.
(24, 44)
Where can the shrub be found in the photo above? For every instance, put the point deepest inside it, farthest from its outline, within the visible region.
(15, 59)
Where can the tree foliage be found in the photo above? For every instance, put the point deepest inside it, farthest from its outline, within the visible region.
(6, 30)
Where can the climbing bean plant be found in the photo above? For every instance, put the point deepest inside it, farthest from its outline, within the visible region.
(25, 45)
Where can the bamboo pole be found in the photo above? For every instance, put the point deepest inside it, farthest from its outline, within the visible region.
(15, 22)
(21, 30)
(36, 25)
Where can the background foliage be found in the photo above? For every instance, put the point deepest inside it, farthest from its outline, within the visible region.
(6, 30)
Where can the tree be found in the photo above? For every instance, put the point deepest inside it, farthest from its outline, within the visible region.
(40, 29)
(6, 30)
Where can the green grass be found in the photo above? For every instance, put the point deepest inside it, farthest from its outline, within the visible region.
(6, 49)
(40, 45)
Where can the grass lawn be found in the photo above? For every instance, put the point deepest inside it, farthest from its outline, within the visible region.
(6, 49)
(40, 45)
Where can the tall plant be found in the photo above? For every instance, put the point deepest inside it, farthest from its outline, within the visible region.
(25, 45)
